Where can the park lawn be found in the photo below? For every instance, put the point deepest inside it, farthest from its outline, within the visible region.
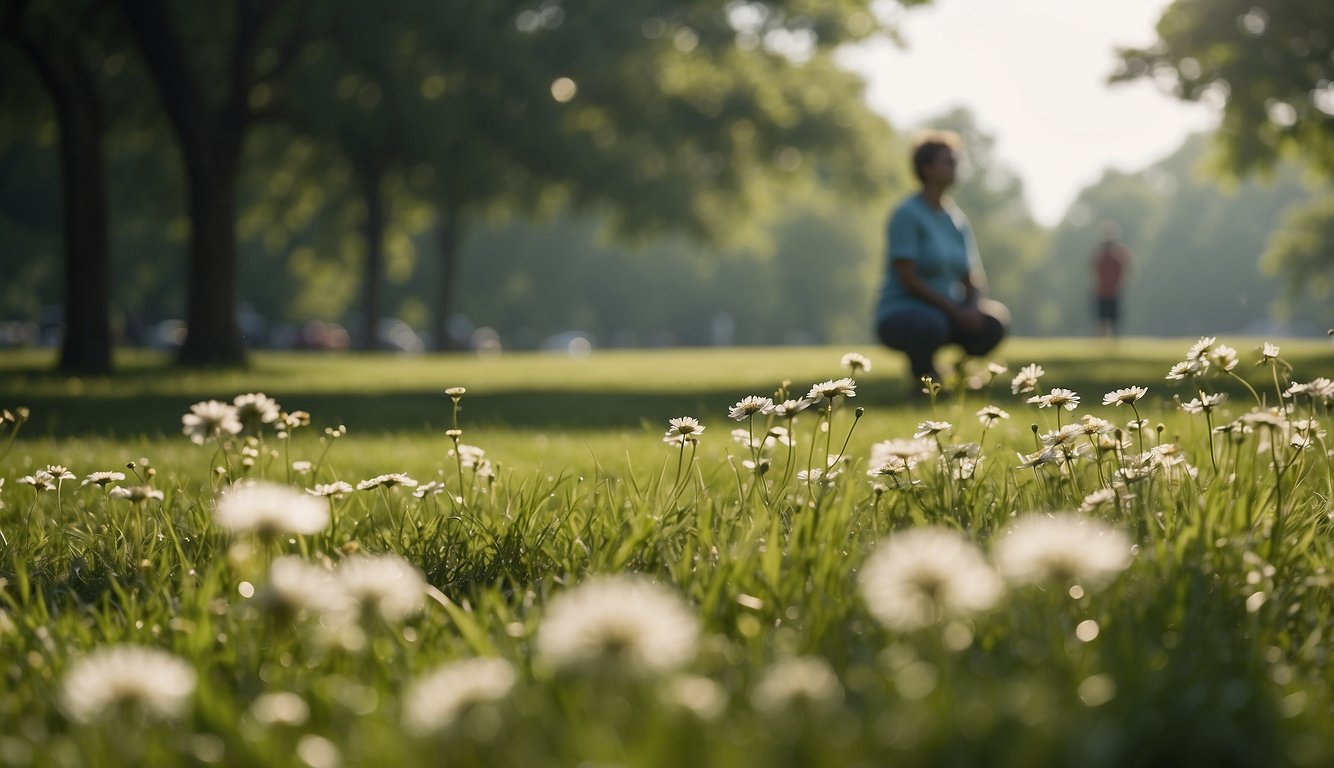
(1198, 640)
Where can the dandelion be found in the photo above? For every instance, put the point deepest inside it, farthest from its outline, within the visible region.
(438, 699)
(136, 494)
(622, 623)
(921, 575)
(749, 406)
(127, 678)
(387, 481)
(1057, 398)
(1062, 549)
(989, 415)
(805, 682)
(256, 408)
(269, 510)
(336, 488)
(209, 419)
(856, 363)
(1119, 397)
(386, 585)
(103, 478)
(828, 390)
(1027, 379)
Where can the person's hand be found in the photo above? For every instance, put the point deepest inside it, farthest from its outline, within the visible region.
(969, 319)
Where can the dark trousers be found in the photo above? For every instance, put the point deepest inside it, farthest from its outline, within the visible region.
(920, 330)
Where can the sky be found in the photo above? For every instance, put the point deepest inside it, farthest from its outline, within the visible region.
(1034, 74)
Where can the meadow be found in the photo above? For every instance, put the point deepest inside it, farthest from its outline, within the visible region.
(724, 557)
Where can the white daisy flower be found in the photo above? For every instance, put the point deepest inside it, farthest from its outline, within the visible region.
(1063, 549)
(433, 488)
(1204, 403)
(1027, 379)
(439, 698)
(989, 415)
(1200, 348)
(856, 363)
(1057, 398)
(103, 478)
(919, 576)
(41, 480)
(996, 369)
(116, 678)
(255, 408)
(1223, 357)
(827, 390)
(622, 623)
(1066, 435)
(697, 695)
(931, 428)
(749, 406)
(136, 494)
(269, 510)
(1098, 499)
(456, 392)
(208, 419)
(336, 488)
(1120, 397)
(791, 407)
(1268, 353)
(1092, 425)
(282, 708)
(1188, 368)
(905, 449)
(387, 481)
(1047, 455)
(59, 473)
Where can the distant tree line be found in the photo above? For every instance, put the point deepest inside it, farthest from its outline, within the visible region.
(646, 172)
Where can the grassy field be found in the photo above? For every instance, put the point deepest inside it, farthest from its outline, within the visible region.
(586, 594)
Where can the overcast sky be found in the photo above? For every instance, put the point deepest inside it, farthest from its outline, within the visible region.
(1033, 72)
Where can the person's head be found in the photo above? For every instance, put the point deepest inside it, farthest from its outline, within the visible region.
(935, 158)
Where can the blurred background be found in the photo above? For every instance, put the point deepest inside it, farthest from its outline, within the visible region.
(418, 175)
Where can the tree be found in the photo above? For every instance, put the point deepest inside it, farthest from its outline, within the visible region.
(56, 41)
(1271, 65)
(218, 69)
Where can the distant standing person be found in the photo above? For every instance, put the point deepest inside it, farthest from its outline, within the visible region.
(932, 294)
(1110, 264)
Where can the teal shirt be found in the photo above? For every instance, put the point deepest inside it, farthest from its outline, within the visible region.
(939, 242)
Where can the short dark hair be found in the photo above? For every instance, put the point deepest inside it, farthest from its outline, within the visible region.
(929, 146)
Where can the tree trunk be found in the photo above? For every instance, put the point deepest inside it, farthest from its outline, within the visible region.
(451, 237)
(86, 347)
(213, 336)
(210, 136)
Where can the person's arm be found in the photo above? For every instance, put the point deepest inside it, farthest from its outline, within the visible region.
(965, 314)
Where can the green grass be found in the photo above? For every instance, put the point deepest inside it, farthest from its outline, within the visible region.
(1209, 649)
